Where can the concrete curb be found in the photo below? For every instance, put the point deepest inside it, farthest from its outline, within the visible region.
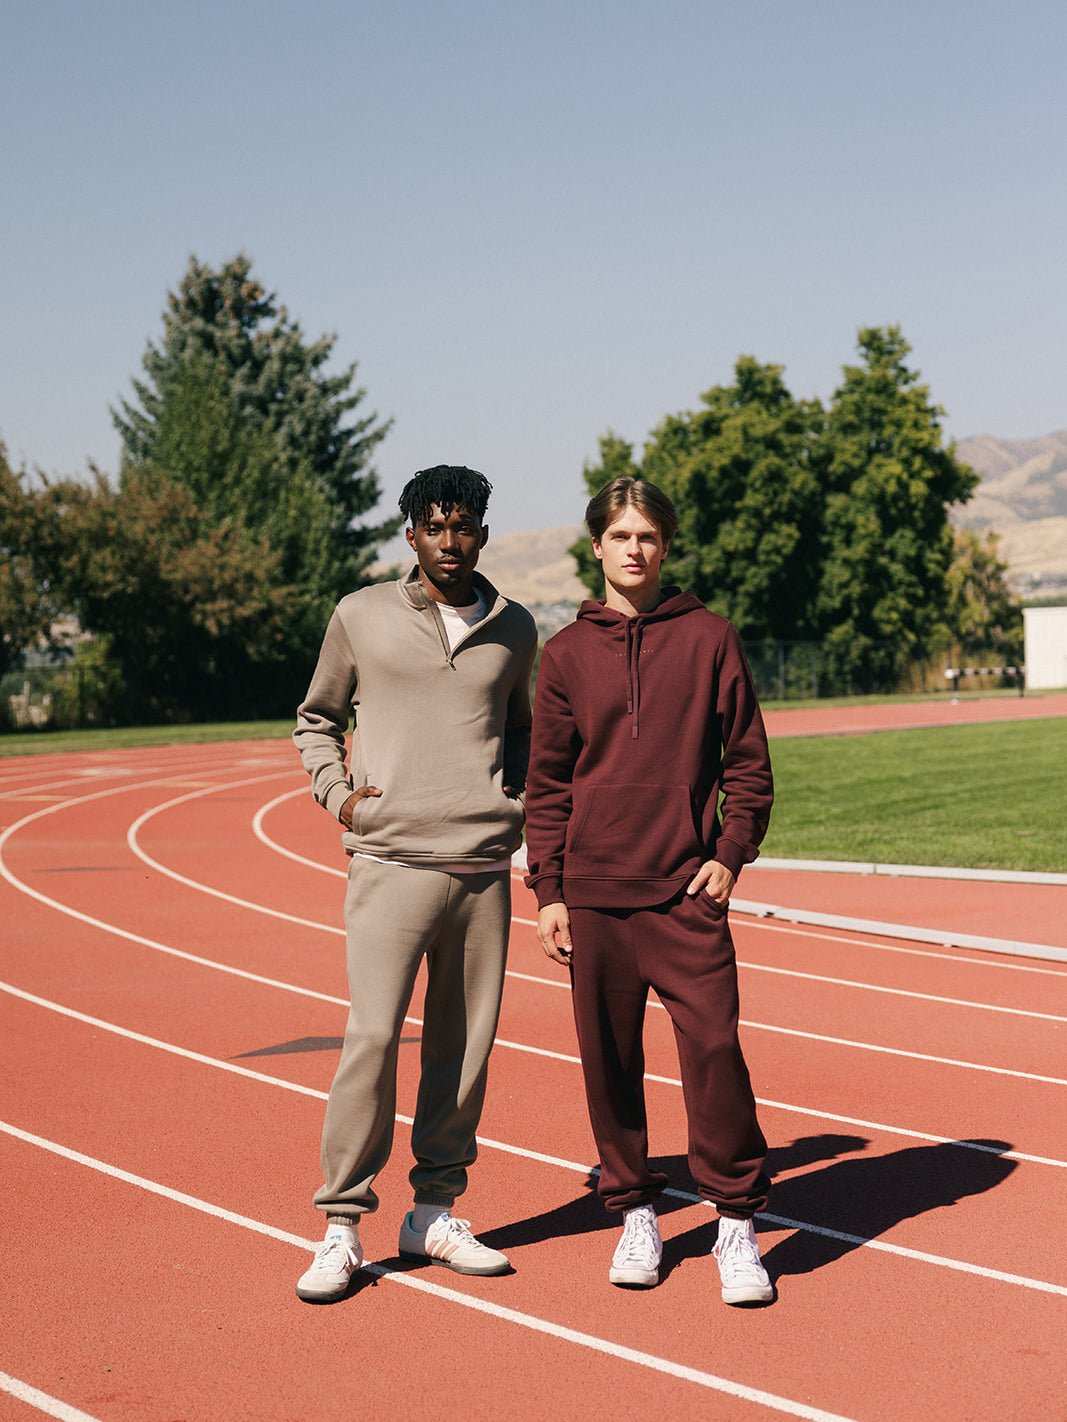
(946, 938)
(913, 871)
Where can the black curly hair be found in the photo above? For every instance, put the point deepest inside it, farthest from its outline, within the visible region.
(448, 486)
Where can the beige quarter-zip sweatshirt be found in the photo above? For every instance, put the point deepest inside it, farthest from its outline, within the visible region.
(439, 732)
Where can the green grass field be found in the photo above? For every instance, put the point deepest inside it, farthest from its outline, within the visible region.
(986, 796)
(120, 737)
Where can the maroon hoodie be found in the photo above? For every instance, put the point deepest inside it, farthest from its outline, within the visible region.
(639, 723)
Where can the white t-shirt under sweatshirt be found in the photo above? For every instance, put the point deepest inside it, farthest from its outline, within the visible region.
(457, 623)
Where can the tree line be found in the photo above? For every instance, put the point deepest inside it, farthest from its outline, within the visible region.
(201, 578)
(826, 525)
(206, 574)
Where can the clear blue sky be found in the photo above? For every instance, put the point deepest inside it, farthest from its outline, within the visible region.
(530, 223)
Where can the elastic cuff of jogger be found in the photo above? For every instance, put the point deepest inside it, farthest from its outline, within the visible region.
(434, 1197)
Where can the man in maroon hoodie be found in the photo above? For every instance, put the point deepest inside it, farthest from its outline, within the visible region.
(645, 717)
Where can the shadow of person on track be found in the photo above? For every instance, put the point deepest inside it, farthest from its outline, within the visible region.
(854, 1200)
(864, 1199)
(586, 1214)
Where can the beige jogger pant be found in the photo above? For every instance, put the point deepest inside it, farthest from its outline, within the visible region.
(394, 917)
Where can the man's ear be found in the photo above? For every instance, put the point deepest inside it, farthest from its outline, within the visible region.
(485, 535)
(409, 534)
(597, 548)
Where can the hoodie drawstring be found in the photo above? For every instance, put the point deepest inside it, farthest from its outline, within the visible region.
(633, 672)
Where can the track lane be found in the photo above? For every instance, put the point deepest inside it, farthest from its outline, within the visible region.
(557, 1077)
(528, 1190)
(302, 955)
(250, 951)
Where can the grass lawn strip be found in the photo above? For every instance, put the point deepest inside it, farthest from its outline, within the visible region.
(986, 796)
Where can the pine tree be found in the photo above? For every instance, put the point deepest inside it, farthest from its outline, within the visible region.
(223, 325)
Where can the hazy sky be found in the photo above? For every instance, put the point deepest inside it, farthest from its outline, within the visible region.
(530, 223)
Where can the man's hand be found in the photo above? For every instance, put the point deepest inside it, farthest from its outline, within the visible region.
(348, 808)
(715, 880)
(554, 931)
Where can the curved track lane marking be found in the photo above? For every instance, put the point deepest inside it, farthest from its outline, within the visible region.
(255, 907)
(758, 922)
(833, 1041)
(881, 1246)
(42, 1401)
(528, 1321)
(218, 966)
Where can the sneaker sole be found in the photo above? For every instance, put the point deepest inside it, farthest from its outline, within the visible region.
(749, 1293)
(308, 1296)
(481, 1271)
(634, 1278)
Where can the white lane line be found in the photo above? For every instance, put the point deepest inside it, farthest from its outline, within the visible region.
(255, 907)
(531, 1322)
(141, 853)
(853, 941)
(920, 1255)
(515, 1046)
(42, 1401)
(146, 858)
(490, 1144)
(837, 1041)
(948, 938)
(262, 835)
(903, 992)
(284, 986)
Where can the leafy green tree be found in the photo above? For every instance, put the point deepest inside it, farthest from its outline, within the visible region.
(222, 330)
(891, 479)
(233, 469)
(189, 608)
(983, 614)
(743, 473)
(25, 608)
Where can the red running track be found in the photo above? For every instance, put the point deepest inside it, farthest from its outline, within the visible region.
(172, 998)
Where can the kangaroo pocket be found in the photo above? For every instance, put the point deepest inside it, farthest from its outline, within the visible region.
(445, 824)
(632, 832)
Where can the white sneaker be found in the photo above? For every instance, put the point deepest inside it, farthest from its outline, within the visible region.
(744, 1279)
(449, 1241)
(638, 1253)
(337, 1258)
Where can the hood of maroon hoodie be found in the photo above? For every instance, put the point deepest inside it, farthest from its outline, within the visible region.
(639, 724)
(630, 632)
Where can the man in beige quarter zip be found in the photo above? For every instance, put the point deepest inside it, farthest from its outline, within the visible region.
(436, 669)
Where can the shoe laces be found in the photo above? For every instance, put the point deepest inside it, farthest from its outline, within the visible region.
(335, 1252)
(640, 1238)
(737, 1251)
(458, 1229)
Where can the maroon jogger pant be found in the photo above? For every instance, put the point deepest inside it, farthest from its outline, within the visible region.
(682, 949)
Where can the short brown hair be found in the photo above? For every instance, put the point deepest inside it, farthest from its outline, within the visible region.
(608, 503)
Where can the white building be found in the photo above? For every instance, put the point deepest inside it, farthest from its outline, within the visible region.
(1045, 631)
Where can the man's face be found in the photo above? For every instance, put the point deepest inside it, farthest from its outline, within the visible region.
(632, 551)
(447, 547)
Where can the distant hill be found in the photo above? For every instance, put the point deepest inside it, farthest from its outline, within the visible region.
(1023, 496)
